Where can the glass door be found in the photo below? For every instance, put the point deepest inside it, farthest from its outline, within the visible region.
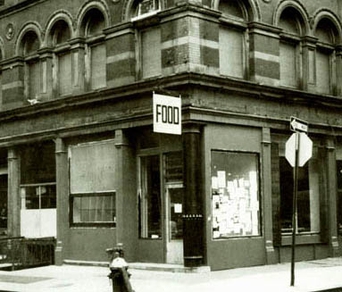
(174, 222)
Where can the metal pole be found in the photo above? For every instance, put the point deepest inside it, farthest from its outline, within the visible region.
(294, 208)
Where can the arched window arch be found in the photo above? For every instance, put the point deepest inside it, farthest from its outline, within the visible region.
(30, 44)
(291, 23)
(233, 38)
(327, 35)
(95, 49)
(62, 69)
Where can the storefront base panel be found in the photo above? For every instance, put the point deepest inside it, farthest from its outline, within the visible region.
(150, 251)
(340, 245)
(89, 244)
(234, 253)
(303, 253)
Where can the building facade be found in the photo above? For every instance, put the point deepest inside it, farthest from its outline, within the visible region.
(80, 162)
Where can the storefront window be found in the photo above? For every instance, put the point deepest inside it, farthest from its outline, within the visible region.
(235, 194)
(150, 198)
(92, 189)
(38, 215)
(339, 194)
(38, 196)
(308, 193)
(3, 204)
(94, 209)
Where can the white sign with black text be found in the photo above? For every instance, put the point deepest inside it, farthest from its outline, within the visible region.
(167, 114)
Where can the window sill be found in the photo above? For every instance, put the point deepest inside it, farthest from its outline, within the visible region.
(98, 226)
(301, 239)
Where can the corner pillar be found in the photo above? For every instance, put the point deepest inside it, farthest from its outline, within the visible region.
(62, 198)
(13, 193)
(267, 197)
(332, 199)
(193, 234)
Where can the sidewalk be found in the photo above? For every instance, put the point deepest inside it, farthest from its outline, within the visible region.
(309, 276)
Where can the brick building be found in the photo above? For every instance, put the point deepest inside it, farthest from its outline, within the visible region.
(80, 160)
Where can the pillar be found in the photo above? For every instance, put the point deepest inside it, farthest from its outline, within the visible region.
(13, 193)
(193, 233)
(267, 197)
(332, 199)
(125, 181)
(62, 198)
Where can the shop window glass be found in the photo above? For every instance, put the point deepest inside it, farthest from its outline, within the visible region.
(150, 198)
(38, 164)
(339, 198)
(38, 190)
(38, 177)
(174, 167)
(235, 194)
(38, 196)
(3, 204)
(308, 195)
(92, 188)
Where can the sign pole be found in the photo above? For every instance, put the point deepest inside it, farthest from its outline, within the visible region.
(294, 206)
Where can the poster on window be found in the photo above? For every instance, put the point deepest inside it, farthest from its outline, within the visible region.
(235, 201)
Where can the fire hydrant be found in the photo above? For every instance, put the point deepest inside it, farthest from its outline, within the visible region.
(119, 274)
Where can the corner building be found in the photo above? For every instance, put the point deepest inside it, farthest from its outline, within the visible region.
(79, 160)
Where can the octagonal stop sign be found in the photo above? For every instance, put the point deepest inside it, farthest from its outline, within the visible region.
(304, 149)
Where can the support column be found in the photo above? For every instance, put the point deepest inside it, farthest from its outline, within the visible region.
(193, 233)
(62, 198)
(267, 197)
(126, 204)
(13, 193)
(332, 199)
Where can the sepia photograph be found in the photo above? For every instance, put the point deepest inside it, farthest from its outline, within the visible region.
(170, 145)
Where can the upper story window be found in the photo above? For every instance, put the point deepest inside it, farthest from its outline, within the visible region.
(62, 74)
(325, 57)
(145, 8)
(92, 184)
(95, 49)
(30, 45)
(290, 47)
(233, 39)
(150, 52)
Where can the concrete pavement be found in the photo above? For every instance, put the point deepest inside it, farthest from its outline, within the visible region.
(309, 276)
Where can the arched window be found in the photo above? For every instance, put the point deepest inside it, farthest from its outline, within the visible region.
(290, 60)
(94, 23)
(62, 74)
(325, 57)
(30, 46)
(145, 8)
(232, 38)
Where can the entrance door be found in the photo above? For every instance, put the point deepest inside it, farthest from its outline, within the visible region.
(174, 222)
